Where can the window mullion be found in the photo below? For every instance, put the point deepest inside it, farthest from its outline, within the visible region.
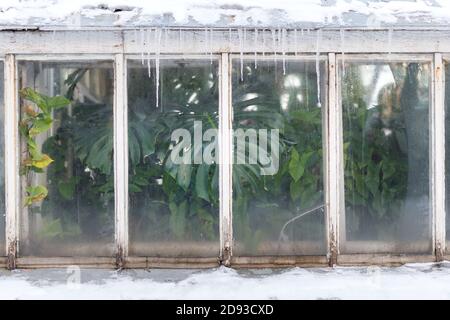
(12, 190)
(438, 158)
(225, 161)
(121, 159)
(334, 172)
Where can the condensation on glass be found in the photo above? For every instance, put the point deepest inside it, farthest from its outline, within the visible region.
(385, 109)
(278, 188)
(173, 171)
(447, 151)
(2, 164)
(76, 218)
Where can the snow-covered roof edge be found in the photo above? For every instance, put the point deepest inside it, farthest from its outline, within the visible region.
(223, 13)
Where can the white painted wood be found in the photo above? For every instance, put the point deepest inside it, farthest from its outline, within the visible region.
(63, 57)
(356, 41)
(12, 188)
(437, 157)
(333, 173)
(193, 41)
(61, 42)
(121, 157)
(225, 160)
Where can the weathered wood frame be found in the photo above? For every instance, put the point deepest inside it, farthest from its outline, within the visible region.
(119, 44)
(436, 171)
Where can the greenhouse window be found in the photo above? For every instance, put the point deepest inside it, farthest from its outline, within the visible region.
(191, 147)
(66, 158)
(2, 164)
(447, 148)
(385, 106)
(173, 206)
(278, 198)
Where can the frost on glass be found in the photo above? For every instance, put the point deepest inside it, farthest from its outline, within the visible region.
(76, 218)
(447, 149)
(173, 207)
(2, 165)
(385, 109)
(278, 212)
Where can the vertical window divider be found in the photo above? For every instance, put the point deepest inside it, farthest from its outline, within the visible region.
(437, 156)
(225, 160)
(120, 159)
(333, 159)
(12, 185)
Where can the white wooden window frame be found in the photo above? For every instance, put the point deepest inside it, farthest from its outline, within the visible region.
(14, 211)
(436, 173)
(280, 260)
(4, 250)
(443, 62)
(118, 45)
(224, 169)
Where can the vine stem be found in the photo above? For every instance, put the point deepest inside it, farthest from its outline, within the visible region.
(280, 237)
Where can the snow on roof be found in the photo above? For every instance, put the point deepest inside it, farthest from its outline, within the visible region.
(223, 13)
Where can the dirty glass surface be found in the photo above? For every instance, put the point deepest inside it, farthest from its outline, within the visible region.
(68, 150)
(385, 109)
(2, 164)
(447, 150)
(278, 196)
(173, 172)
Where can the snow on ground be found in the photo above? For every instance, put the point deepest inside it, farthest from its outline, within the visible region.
(222, 12)
(413, 281)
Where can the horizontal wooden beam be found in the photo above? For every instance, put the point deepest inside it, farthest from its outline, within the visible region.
(191, 41)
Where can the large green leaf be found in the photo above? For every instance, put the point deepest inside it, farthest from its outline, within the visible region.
(177, 220)
(296, 167)
(184, 176)
(201, 181)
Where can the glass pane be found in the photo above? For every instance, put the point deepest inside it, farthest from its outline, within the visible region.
(386, 154)
(447, 150)
(173, 204)
(278, 198)
(76, 218)
(2, 165)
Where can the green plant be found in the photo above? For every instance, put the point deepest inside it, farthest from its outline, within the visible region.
(33, 123)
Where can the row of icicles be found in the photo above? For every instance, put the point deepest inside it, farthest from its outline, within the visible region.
(151, 39)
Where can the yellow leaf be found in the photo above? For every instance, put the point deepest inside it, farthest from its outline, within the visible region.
(43, 162)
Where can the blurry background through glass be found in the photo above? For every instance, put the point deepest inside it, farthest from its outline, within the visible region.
(280, 213)
(77, 216)
(173, 208)
(386, 157)
(2, 164)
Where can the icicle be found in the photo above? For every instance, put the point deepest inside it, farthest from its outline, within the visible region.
(274, 45)
(318, 40)
(283, 49)
(390, 32)
(229, 39)
(206, 49)
(158, 49)
(342, 33)
(210, 45)
(142, 45)
(135, 36)
(264, 42)
(255, 43)
(149, 68)
(166, 36)
(241, 52)
(295, 42)
(303, 32)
